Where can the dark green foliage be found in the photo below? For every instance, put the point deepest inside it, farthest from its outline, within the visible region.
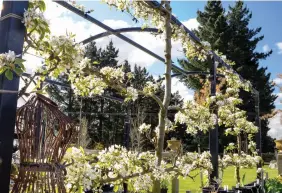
(273, 185)
(213, 26)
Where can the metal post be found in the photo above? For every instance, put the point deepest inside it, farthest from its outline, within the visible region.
(12, 33)
(213, 135)
(258, 134)
(126, 137)
(127, 127)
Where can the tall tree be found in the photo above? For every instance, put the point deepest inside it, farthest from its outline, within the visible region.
(213, 26)
(242, 44)
(230, 34)
(213, 29)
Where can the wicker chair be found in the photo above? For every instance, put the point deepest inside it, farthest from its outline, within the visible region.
(44, 134)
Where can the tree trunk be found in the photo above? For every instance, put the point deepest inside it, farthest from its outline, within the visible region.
(167, 95)
(239, 142)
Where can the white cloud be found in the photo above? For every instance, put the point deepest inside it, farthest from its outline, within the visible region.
(278, 101)
(279, 46)
(266, 48)
(191, 23)
(275, 126)
(32, 62)
(186, 93)
(277, 81)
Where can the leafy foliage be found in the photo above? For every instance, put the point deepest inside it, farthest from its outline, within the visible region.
(273, 185)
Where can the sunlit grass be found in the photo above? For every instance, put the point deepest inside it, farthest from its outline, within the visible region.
(228, 179)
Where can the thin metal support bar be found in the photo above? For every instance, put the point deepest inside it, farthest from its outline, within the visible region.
(47, 80)
(119, 31)
(258, 134)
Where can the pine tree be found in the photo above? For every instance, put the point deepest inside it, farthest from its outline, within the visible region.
(242, 44)
(213, 26)
(213, 29)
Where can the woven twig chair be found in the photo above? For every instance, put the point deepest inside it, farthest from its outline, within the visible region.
(44, 134)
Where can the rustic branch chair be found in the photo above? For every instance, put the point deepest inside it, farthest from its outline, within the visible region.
(44, 134)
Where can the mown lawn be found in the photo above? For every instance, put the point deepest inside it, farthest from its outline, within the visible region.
(228, 179)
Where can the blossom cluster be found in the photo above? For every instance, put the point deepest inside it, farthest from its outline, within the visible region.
(229, 115)
(196, 117)
(9, 63)
(191, 161)
(81, 175)
(150, 88)
(243, 160)
(116, 164)
(144, 128)
(34, 19)
(131, 93)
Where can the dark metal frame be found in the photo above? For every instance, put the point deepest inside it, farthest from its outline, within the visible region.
(12, 33)
(8, 103)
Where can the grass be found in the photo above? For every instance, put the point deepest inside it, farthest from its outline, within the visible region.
(228, 179)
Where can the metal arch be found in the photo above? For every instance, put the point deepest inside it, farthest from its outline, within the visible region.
(107, 28)
(119, 31)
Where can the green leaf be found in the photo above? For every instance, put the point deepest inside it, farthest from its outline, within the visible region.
(115, 188)
(18, 71)
(9, 74)
(80, 189)
(81, 149)
(243, 179)
(130, 186)
(96, 62)
(19, 61)
(22, 66)
(42, 5)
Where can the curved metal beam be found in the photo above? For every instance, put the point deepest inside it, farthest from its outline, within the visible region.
(121, 36)
(119, 31)
(188, 73)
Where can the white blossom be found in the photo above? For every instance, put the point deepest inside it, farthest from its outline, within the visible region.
(132, 93)
(144, 128)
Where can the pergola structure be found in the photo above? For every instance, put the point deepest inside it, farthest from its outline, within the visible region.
(12, 32)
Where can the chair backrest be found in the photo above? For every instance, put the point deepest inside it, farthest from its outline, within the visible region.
(44, 132)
